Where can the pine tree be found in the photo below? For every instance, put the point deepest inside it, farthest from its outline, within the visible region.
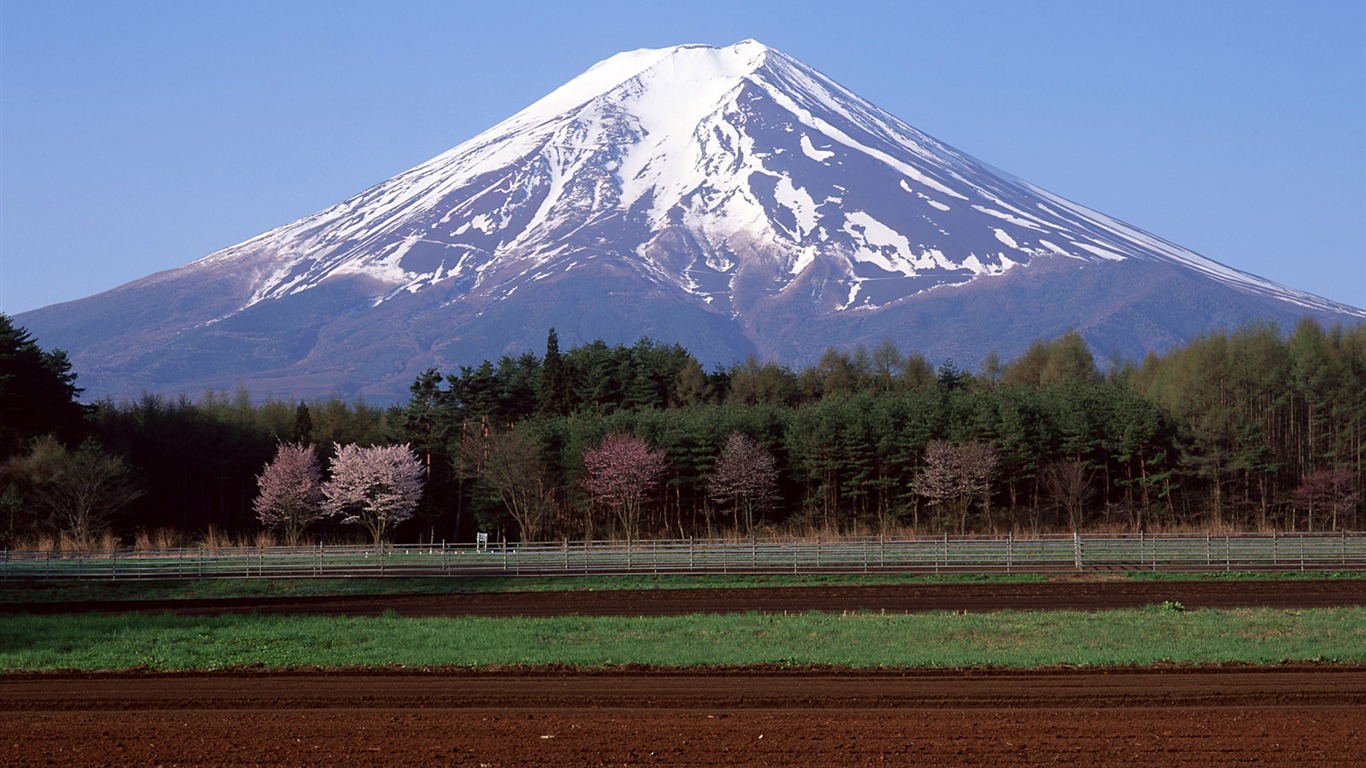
(303, 425)
(37, 391)
(553, 397)
(692, 386)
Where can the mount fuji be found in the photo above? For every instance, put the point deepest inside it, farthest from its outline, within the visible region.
(733, 200)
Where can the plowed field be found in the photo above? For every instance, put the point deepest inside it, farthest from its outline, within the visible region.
(1293, 715)
(1064, 594)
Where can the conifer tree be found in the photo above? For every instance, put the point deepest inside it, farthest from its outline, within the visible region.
(37, 391)
(553, 397)
(303, 425)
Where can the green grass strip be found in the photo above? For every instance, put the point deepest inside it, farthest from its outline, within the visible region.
(1011, 639)
(212, 589)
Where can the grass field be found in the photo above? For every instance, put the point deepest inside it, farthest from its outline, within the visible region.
(1165, 633)
(208, 589)
(1012, 639)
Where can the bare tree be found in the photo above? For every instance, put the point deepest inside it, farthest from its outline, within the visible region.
(621, 472)
(1328, 496)
(745, 479)
(76, 491)
(374, 487)
(1069, 483)
(290, 493)
(510, 466)
(955, 475)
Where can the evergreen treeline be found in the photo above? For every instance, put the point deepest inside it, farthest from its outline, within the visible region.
(1242, 429)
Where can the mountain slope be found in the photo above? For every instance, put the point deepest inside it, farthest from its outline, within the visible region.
(731, 199)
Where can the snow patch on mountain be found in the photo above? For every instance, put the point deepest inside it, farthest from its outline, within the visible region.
(809, 149)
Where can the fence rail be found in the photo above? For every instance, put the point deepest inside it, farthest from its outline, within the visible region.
(945, 554)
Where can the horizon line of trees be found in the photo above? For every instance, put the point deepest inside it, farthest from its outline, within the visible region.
(1249, 428)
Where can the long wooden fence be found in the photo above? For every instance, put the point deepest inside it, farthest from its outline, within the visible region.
(1342, 551)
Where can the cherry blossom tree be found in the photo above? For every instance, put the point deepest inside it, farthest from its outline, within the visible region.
(1327, 496)
(376, 487)
(620, 473)
(290, 494)
(956, 474)
(745, 479)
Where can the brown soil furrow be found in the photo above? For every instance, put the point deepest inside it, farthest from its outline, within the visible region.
(1160, 718)
(911, 598)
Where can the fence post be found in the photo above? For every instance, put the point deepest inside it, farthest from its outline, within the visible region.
(1010, 551)
(1076, 549)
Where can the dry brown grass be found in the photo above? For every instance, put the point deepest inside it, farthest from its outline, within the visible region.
(214, 539)
(159, 540)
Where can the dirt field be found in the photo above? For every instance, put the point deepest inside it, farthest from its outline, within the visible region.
(1065, 593)
(1299, 715)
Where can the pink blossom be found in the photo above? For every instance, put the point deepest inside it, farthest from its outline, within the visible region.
(290, 491)
(375, 487)
(620, 472)
(746, 478)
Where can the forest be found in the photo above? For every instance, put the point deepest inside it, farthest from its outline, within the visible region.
(1249, 429)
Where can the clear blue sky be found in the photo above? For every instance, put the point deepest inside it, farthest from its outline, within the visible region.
(136, 136)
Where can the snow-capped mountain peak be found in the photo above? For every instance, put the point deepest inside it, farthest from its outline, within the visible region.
(765, 163)
(734, 186)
